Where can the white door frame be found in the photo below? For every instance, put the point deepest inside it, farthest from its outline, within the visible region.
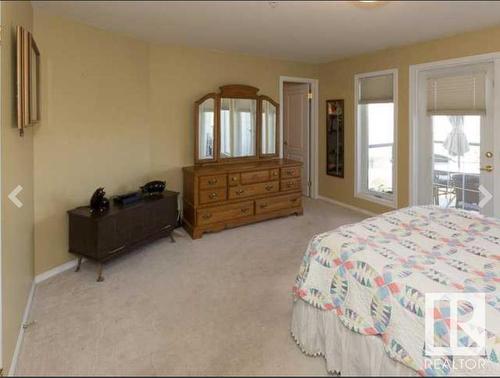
(313, 142)
(415, 72)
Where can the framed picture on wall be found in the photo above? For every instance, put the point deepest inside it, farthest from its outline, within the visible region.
(335, 138)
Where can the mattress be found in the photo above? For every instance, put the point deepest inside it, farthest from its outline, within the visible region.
(373, 277)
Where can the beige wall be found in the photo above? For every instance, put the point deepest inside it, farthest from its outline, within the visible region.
(116, 112)
(95, 125)
(337, 82)
(16, 169)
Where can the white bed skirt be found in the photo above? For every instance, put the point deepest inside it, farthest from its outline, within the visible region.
(321, 333)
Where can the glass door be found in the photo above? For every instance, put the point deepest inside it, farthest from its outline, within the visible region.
(462, 144)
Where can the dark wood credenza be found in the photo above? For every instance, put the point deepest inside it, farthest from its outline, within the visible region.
(101, 237)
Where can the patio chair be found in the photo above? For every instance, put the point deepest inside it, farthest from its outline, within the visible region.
(466, 187)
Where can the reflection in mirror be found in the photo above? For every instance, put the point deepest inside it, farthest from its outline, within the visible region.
(237, 127)
(268, 137)
(206, 122)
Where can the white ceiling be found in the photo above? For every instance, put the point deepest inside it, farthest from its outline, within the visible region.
(294, 30)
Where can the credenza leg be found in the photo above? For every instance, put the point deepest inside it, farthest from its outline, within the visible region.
(171, 237)
(100, 278)
(80, 258)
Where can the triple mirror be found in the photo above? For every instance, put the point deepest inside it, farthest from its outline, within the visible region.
(235, 124)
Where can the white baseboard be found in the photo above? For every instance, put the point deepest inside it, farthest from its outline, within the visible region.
(350, 207)
(55, 271)
(27, 310)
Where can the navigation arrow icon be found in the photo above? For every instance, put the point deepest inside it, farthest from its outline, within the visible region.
(487, 196)
(13, 196)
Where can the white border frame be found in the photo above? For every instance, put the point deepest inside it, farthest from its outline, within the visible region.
(358, 192)
(314, 142)
(3, 34)
(415, 71)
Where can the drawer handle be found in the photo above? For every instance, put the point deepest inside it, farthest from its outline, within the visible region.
(206, 216)
(234, 178)
(294, 200)
(212, 195)
(289, 184)
(245, 210)
(275, 173)
(269, 187)
(212, 181)
(263, 205)
(240, 191)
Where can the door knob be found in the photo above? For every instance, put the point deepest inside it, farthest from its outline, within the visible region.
(489, 154)
(487, 168)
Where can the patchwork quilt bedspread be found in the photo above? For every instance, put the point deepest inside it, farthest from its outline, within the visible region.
(374, 275)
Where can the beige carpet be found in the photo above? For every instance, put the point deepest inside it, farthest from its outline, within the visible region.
(216, 306)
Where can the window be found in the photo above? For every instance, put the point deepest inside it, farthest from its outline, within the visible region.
(225, 148)
(206, 134)
(376, 109)
(456, 161)
(246, 135)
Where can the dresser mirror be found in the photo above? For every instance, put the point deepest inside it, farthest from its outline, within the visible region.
(236, 124)
(205, 137)
(269, 131)
(238, 127)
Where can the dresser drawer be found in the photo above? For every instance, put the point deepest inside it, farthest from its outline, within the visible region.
(234, 179)
(215, 181)
(290, 172)
(292, 184)
(224, 213)
(214, 195)
(254, 177)
(244, 191)
(267, 205)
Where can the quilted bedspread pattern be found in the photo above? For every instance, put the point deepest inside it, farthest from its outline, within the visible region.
(374, 276)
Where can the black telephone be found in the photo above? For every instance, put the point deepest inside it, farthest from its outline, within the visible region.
(99, 203)
(154, 187)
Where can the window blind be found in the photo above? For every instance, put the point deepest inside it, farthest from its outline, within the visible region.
(457, 95)
(376, 89)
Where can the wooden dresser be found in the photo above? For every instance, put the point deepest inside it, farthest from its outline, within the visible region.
(223, 196)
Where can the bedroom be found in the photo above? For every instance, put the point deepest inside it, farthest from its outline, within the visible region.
(122, 87)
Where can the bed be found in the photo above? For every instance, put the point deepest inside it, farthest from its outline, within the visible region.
(359, 297)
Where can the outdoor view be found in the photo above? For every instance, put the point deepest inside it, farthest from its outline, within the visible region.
(380, 144)
(456, 161)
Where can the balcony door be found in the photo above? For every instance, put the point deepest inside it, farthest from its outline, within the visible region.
(455, 140)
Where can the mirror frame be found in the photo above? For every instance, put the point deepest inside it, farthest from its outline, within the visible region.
(33, 82)
(243, 92)
(27, 87)
(276, 154)
(197, 104)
